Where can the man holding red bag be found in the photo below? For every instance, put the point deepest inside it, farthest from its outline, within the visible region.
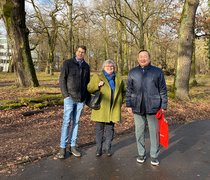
(146, 94)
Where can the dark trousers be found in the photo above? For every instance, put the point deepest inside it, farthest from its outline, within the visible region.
(104, 131)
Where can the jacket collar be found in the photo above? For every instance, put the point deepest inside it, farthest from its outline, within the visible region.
(79, 63)
(146, 67)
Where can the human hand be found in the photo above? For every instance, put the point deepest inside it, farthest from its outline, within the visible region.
(165, 120)
(129, 109)
(101, 83)
(164, 110)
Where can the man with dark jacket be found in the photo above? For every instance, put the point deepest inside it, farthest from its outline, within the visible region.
(74, 77)
(146, 93)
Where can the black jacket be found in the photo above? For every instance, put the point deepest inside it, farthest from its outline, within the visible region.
(74, 79)
(147, 83)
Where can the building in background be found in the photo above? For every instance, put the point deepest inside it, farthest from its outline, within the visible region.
(5, 53)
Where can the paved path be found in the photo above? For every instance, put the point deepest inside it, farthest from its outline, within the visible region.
(187, 158)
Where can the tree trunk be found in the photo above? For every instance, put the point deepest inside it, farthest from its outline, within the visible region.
(209, 56)
(125, 55)
(193, 71)
(141, 24)
(14, 19)
(185, 49)
(120, 62)
(70, 13)
(106, 40)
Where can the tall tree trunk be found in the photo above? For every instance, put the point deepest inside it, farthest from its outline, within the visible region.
(70, 14)
(193, 71)
(52, 38)
(209, 56)
(14, 19)
(120, 62)
(106, 40)
(185, 49)
(141, 24)
(125, 51)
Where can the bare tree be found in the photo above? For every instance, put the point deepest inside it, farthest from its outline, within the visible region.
(185, 49)
(70, 16)
(50, 28)
(13, 12)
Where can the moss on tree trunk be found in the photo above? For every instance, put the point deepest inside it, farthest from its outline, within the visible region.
(14, 18)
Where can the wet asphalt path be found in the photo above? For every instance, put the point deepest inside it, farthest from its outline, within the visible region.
(187, 158)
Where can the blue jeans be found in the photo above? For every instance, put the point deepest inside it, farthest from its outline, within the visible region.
(72, 111)
(140, 125)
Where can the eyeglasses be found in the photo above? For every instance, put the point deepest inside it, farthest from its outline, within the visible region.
(110, 67)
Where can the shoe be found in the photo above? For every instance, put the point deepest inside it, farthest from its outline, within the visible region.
(98, 154)
(141, 159)
(75, 152)
(155, 162)
(109, 153)
(61, 154)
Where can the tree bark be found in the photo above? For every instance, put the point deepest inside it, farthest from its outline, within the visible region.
(14, 19)
(120, 63)
(70, 16)
(193, 67)
(209, 56)
(185, 49)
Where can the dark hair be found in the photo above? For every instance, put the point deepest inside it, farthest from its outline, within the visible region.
(144, 50)
(81, 46)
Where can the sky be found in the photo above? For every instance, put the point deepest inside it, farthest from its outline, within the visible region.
(2, 27)
(47, 2)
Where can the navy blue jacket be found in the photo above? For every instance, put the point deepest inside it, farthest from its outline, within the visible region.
(148, 83)
(74, 79)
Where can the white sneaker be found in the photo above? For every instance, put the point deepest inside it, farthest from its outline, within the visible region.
(141, 159)
(155, 162)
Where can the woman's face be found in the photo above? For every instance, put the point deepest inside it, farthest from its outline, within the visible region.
(109, 68)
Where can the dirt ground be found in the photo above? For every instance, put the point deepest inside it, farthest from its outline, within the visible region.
(29, 138)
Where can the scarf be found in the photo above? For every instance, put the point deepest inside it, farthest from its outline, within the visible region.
(110, 78)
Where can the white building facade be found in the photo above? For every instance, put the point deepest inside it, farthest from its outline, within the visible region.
(5, 53)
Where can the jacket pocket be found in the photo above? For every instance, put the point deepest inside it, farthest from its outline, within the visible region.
(73, 72)
(154, 102)
(133, 100)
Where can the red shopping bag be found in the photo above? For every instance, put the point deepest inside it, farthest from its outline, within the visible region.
(163, 128)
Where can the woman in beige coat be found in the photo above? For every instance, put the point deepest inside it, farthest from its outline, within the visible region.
(112, 89)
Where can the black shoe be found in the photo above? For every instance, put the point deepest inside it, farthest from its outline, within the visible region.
(141, 159)
(155, 162)
(61, 154)
(75, 152)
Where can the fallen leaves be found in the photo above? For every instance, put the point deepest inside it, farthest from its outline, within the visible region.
(29, 138)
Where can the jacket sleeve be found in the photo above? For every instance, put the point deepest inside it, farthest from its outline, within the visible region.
(128, 90)
(93, 84)
(88, 74)
(163, 91)
(63, 79)
(123, 91)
